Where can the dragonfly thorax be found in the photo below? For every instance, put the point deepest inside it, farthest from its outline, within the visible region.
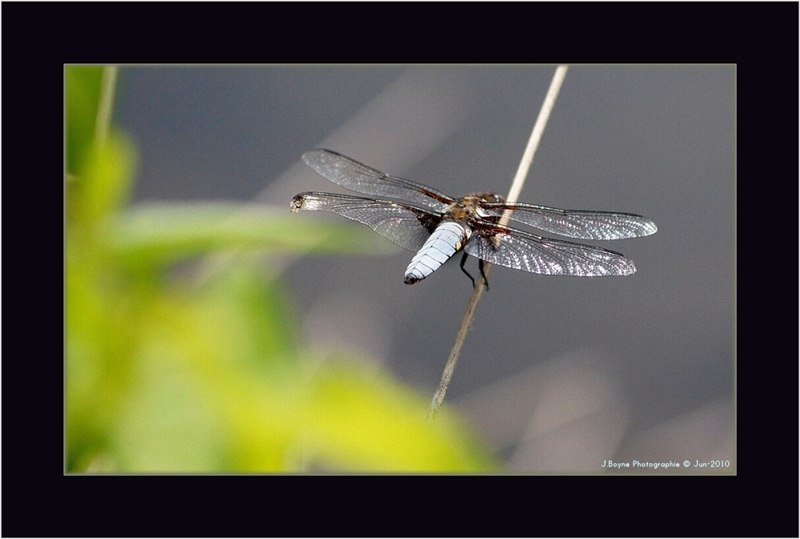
(469, 206)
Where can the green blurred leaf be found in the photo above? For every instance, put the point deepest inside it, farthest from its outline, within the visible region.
(158, 233)
(102, 317)
(106, 182)
(209, 397)
(83, 92)
(100, 162)
(360, 423)
(166, 375)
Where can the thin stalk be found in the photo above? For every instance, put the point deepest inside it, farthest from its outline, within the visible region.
(513, 195)
(106, 103)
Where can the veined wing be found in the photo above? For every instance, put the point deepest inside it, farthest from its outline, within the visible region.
(401, 224)
(359, 177)
(519, 250)
(582, 224)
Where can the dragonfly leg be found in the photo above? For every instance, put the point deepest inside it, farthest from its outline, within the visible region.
(480, 266)
(463, 260)
(485, 279)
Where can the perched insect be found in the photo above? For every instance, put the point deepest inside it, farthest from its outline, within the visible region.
(437, 226)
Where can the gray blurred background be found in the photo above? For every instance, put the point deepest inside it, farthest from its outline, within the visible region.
(560, 374)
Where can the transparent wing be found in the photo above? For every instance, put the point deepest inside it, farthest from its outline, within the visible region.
(403, 225)
(520, 250)
(582, 224)
(358, 177)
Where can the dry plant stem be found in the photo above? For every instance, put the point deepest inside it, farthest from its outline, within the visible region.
(513, 195)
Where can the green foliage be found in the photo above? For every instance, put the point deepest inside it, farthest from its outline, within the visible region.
(169, 373)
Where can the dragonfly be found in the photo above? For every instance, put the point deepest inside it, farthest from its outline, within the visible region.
(437, 226)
